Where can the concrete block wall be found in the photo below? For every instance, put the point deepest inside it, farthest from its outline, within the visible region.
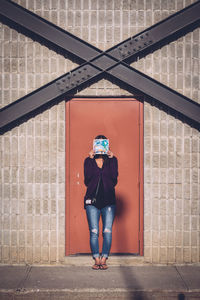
(32, 204)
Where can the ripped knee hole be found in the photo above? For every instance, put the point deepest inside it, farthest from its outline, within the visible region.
(94, 230)
(107, 230)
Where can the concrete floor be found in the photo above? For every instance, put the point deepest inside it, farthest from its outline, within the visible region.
(118, 282)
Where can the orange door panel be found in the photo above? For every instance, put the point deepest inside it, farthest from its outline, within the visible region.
(120, 120)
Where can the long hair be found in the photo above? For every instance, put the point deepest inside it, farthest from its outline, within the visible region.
(100, 137)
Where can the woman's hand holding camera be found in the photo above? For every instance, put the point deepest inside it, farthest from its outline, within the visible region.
(110, 154)
(91, 154)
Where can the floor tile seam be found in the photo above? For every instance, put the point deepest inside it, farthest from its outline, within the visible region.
(105, 290)
(182, 279)
(112, 264)
(21, 284)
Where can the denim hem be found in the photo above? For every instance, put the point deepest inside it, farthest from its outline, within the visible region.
(104, 255)
(95, 255)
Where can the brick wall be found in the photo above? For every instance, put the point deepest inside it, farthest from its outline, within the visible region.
(32, 205)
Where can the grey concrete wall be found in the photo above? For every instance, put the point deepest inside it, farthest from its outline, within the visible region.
(32, 205)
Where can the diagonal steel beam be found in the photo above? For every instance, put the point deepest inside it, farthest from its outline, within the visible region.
(36, 26)
(101, 62)
(106, 62)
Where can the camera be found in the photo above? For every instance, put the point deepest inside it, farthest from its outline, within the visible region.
(93, 201)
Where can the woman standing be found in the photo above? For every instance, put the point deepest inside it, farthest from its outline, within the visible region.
(101, 172)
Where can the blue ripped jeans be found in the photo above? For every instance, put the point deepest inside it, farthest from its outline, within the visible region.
(93, 216)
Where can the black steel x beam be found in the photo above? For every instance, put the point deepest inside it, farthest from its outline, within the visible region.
(100, 62)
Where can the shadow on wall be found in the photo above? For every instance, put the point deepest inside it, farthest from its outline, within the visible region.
(121, 241)
(128, 273)
(121, 206)
(135, 288)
